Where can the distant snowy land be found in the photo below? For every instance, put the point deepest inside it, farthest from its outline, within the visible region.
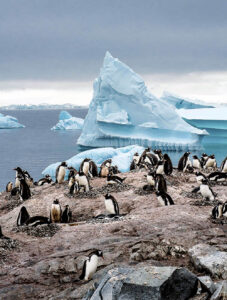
(41, 106)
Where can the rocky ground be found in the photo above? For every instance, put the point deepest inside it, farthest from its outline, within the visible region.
(46, 263)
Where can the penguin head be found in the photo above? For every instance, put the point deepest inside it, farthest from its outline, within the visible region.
(64, 164)
(136, 154)
(166, 156)
(204, 181)
(148, 149)
(204, 155)
(195, 156)
(56, 201)
(99, 253)
(107, 196)
(47, 176)
(18, 169)
(212, 156)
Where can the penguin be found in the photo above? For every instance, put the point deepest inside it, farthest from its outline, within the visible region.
(210, 163)
(14, 191)
(90, 265)
(2, 236)
(203, 159)
(135, 161)
(46, 180)
(55, 212)
(72, 172)
(104, 168)
(84, 166)
(143, 155)
(158, 154)
(23, 216)
(24, 189)
(224, 165)
(164, 199)
(196, 162)
(206, 191)
(28, 178)
(151, 159)
(217, 211)
(168, 166)
(199, 177)
(113, 179)
(93, 169)
(72, 181)
(224, 209)
(184, 162)
(60, 172)
(111, 205)
(66, 215)
(217, 176)
(37, 220)
(113, 170)
(160, 167)
(9, 187)
(19, 173)
(151, 178)
(160, 183)
(83, 181)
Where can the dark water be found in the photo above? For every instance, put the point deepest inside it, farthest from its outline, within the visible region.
(34, 147)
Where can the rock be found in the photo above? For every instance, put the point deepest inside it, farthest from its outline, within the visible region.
(221, 291)
(181, 285)
(207, 284)
(131, 283)
(208, 258)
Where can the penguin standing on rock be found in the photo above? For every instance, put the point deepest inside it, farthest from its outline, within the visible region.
(113, 179)
(24, 189)
(203, 159)
(135, 161)
(206, 191)
(224, 209)
(90, 265)
(168, 166)
(164, 199)
(23, 216)
(196, 162)
(66, 215)
(19, 173)
(55, 212)
(160, 183)
(184, 162)
(105, 168)
(37, 220)
(224, 165)
(111, 205)
(83, 181)
(9, 187)
(158, 154)
(151, 178)
(60, 172)
(46, 180)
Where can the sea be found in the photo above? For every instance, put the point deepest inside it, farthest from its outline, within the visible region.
(36, 146)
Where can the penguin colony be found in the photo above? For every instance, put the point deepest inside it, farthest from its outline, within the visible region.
(157, 165)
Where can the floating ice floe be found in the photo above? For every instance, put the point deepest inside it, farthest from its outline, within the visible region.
(68, 122)
(213, 120)
(180, 102)
(123, 112)
(9, 122)
(121, 157)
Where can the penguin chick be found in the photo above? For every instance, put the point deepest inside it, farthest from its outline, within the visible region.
(9, 187)
(55, 212)
(90, 265)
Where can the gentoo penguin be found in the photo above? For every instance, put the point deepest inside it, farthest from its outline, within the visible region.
(89, 167)
(206, 190)
(104, 168)
(210, 163)
(217, 211)
(217, 176)
(24, 189)
(203, 159)
(164, 198)
(151, 159)
(151, 178)
(113, 170)
(160, 167)
(224, 165)
(23, 216)
(135, 161)
(72, 181)
(111, 205)
(28, 178)
(60, 172)
(14, 191)
(9, 187)
(113, 179)
(199, 177)
(55, 212)
(184, 162)
(196, 162)
(2, 236)
(143, 155)
(83, 181)
(19, 173)
(46, 180)
(37, 220)
(93, 169)
(158, 154)
(66, 215)
(72, 172)
(168, 166)
(160, 183)
(224, 209)
(90, 265)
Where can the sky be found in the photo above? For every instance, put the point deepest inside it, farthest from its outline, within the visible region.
(52, 50)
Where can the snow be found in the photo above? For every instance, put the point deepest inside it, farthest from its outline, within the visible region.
(217, 113)
(9, 122)
(123, 112)
(68, 122)
(183, 103)
(121, 157)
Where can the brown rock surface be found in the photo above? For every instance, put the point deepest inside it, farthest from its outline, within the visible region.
(43, 267)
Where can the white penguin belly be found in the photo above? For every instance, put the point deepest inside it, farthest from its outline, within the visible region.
(196, 164)
(161, 201)
(61, 174)
(206, 192)
(136, 159)
(109, 206)
(86, 168)
(150, 180)
(17, 183)
(91, 267)
(160, 170)
(225, 167)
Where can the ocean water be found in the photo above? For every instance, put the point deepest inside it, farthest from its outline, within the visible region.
(35, 147)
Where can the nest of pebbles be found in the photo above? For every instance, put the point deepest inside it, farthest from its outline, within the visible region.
(145, 190)
(12, 202)
(105, 219)
(204, 202)
(220, 221)
(45, 230)
(7, 244)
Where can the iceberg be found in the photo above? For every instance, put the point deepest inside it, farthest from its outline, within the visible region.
(123, 112)
(9, 122)
(121, 157)
(68, 122)
(213, 120)
(179, 102)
